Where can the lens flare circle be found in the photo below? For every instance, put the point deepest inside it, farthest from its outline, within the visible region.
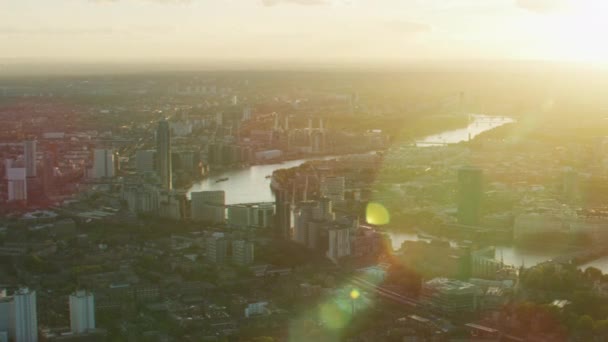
(377, 214)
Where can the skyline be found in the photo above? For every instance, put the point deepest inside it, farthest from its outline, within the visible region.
(304, 30)
(303, 170)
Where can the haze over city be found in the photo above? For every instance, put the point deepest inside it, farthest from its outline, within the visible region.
(320, 31)
(303, 170)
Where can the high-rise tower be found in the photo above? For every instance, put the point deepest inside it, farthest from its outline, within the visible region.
(469, 195)
(103, 163)
(163, 139)
(82, 312)
(25, 316)
(30, 157)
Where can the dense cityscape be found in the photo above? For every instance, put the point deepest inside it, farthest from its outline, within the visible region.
(303, 170)
(122, 218)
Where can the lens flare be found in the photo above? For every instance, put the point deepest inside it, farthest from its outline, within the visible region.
(333, 316)
(377, 214)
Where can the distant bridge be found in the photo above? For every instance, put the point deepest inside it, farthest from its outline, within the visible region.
(435, 143)
(477, 119)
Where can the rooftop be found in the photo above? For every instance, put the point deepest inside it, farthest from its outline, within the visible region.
(449, 285)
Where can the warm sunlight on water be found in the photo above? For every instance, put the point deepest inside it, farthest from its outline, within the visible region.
(304, 170)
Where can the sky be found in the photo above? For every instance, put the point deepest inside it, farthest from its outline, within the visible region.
(333, 30)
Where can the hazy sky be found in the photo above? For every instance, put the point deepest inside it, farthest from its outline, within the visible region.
(570, 30)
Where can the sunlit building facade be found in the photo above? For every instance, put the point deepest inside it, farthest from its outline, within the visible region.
(163, 140)
(82, 312)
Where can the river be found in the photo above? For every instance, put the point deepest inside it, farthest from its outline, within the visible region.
(601, 264)
(478, 124)
(250, 185)
(247, 185)
(510, 255)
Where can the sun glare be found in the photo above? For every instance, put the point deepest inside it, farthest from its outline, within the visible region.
(377, 214)
(578, 34)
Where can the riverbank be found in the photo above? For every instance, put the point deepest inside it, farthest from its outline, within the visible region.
(249, 185)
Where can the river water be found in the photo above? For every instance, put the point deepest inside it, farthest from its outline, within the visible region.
(601, 264)
(510, 255)
(478, 124)
(250, 185)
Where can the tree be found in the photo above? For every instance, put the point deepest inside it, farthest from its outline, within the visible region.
(600, 327)
(263, 339)
(593, 273)
(584, 325)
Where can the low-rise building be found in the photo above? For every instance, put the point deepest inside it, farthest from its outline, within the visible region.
(257, 215)
(208, 206)
(450, 296)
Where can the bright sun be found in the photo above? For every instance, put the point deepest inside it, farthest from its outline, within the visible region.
(579, 33)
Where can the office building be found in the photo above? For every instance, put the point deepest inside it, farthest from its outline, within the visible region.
(339, 243)
(30, 158)
(484, 264)
(210, 213)
(141, 198)
(228, 154)
(250, 215)
(82, 312)
(333, 188)
(303, 215)
(310, 220)
(315, 228)
(283, 215)
(214, 154)
(24, 316)
(242, 252)
(103, 163)
(163, 140)
(5, 315)
(181, 128)
(145, 161)
(210, 197)
(208, 206)
(246, 114)
(189, 162)
(172, 205)
(324, 211)
(469, 195)
(239, 215)
(217, 249)
(367, 243)
(263, 215)
(48, 173)
(317, 141)
(17, 184)
(6, 164)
